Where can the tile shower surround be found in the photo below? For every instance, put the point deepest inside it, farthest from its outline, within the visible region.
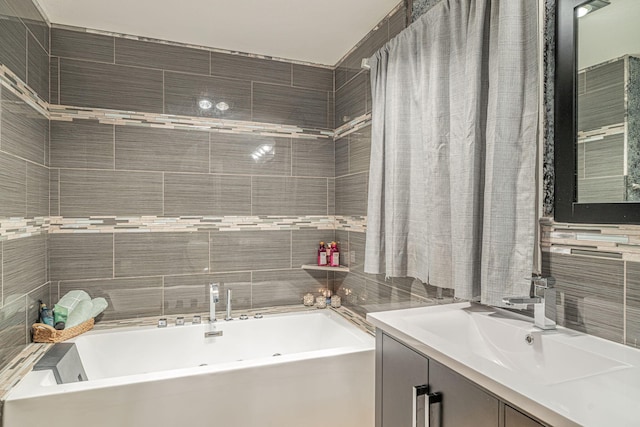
(24, 174)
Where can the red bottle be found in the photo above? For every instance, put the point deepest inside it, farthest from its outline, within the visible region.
(322, 255)
(335, 255)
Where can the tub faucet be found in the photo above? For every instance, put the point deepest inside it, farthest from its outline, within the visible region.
(543, 300)
(214, 297)
(228, 317)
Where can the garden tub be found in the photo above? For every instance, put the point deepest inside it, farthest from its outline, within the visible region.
(297, 369)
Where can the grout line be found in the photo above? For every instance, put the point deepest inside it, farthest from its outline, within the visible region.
(113, 255)
(162, 298)
(114, 145)
(163, 180)
(163, 92)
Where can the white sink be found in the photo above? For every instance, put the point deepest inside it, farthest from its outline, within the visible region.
(565, 377)
(507, 340)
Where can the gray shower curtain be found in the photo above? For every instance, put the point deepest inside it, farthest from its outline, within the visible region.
(454, 129)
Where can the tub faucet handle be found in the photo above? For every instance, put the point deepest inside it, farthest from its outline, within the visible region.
(214, 298)
(196, 319)
(162, 323)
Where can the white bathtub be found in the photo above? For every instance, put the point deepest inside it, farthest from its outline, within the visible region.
(149, 376)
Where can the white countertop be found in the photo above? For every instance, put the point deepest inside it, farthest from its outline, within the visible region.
(599, 397)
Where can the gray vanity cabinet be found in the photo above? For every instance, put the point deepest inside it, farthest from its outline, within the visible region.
(458, 401)
(400, 369)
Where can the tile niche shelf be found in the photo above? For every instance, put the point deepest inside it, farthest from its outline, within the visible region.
(323, 268)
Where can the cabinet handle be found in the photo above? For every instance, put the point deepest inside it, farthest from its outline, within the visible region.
(422, 401)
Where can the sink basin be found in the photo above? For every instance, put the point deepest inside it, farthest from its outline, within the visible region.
(511, 341)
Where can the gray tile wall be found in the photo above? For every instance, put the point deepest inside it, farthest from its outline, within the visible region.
(144, 274)
(98, 169)
(24, 175)
(106, 72)
(25, 44)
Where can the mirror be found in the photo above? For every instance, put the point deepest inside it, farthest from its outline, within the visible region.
(597, 145)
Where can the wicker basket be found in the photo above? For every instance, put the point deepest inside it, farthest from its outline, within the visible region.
(48, 334)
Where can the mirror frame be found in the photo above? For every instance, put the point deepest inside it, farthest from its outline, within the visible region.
(566, 209)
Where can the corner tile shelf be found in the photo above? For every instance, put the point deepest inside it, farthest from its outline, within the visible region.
(318, 267)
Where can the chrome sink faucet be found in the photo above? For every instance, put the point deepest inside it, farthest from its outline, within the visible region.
(214, 297)
(543, 300)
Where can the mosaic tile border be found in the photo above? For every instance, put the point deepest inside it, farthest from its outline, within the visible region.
(15, 85)
(602, 241)
(351, 223)
(168, 121)
(17, 228)
(146, 224)
(352, 126)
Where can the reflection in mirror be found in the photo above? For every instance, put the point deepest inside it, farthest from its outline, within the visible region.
(608, 105)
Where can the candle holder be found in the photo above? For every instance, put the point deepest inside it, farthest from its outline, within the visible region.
(321, 302)
(336, 301)
(308, 300)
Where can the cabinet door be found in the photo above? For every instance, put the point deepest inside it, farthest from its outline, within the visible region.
(463, 402)
(515, 418)
(400, 370)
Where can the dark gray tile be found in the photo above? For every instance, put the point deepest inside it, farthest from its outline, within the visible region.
(14, 43)
(250, 154)
(313, 77)
(81, 45)
(250, 250)
(54, 78)
(97, 85)
(143, 148)
(37, 190)
(305, 245)
(605, 76)
(352, 290)
(605, 157)
(331, 110)
(633, 304)
(90, 192)
(24, 265)
(80, 256)
(190, 294)
(148, 254)
(601, 107)
(288, 105)
(592, 291)
(31, 17)
(352, 64)
(357, 243)
(43, 293)
(196, 194)
(351, 100)
(84, 144)
(38, 68)
(163, 56)
(331, 196)
(601, 190)
(360, 150)
(580, 160)
(54, 192)
(13, 186)
(12, 330)
(286, 287)
(127, 298)
(342, 239)
(397, 22)
(342, 156)
(288, 196)
(182, 93)
(351, 194)
(313, 158)
(24, 130)
(247, 68)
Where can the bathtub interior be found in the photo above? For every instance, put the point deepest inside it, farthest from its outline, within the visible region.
(134, 351)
